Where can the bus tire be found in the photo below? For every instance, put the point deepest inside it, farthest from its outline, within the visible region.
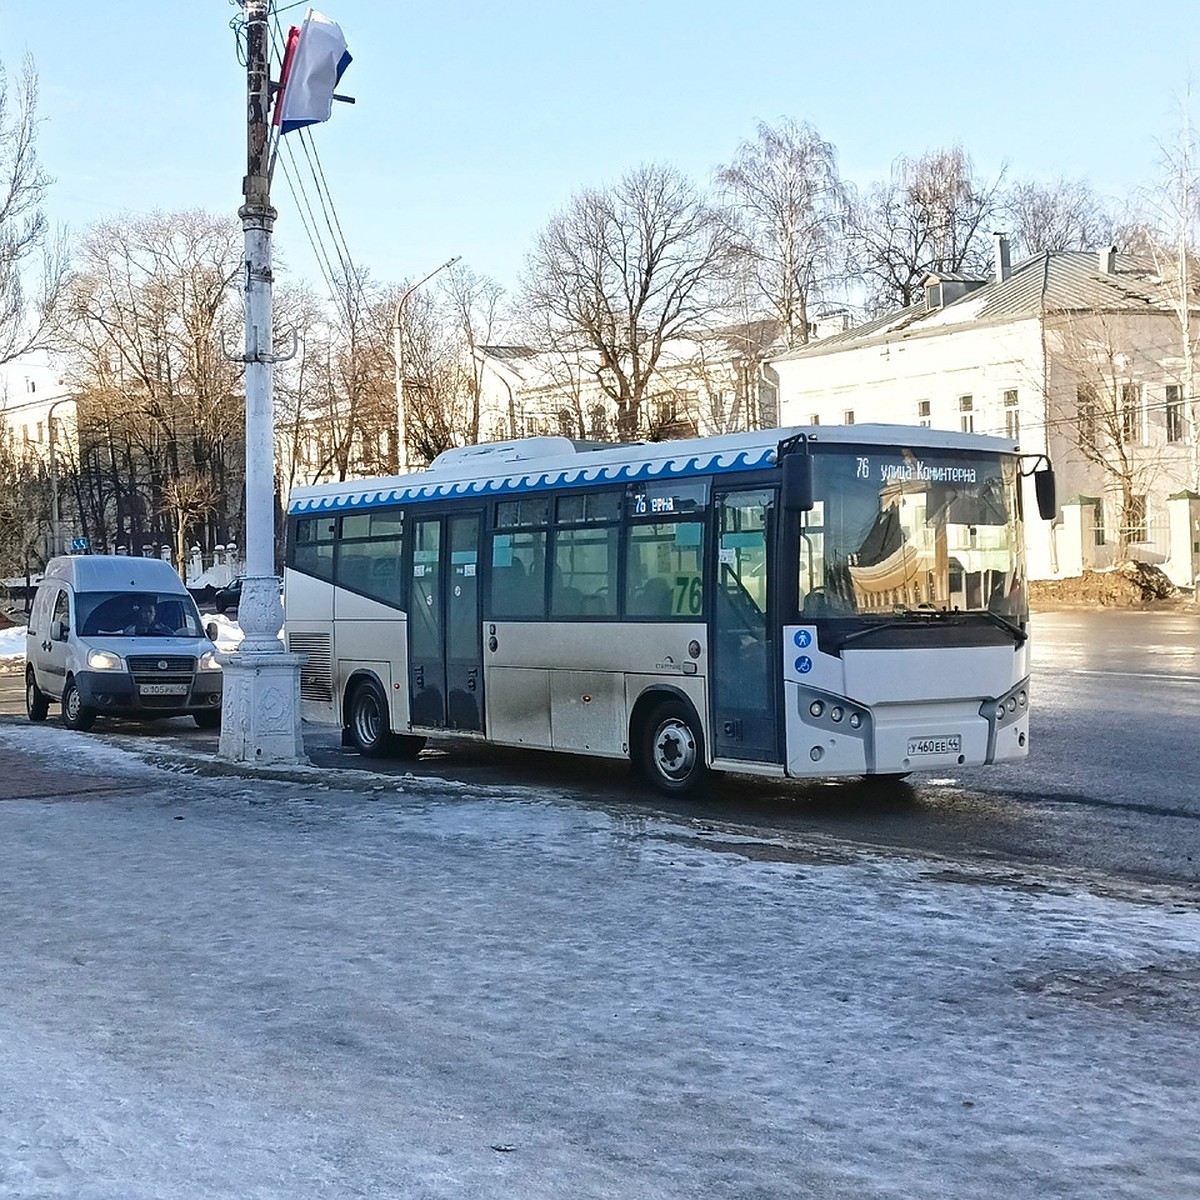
(367, 720)
(37, 703)
(672, 750)
(76, 714)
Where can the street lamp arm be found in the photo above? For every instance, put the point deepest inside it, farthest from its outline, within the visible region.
(420, 282)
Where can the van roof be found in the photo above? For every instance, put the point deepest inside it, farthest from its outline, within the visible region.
(114, 573)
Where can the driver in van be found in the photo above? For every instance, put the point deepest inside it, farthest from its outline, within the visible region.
(146, 622)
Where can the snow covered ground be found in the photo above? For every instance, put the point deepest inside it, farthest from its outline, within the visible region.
(222, 986)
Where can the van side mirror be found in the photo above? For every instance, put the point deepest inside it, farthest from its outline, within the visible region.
(62, 631)
(211, 632)
(797, 492)
(1047, 500)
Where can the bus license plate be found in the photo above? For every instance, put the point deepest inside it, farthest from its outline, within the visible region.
(163, 689)
(949, 743)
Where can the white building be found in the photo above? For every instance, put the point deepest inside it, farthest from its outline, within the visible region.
(1076, 355)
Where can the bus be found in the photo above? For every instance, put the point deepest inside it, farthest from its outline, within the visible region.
(790, 603)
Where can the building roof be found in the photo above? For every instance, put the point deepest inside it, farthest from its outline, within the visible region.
(1055, 281)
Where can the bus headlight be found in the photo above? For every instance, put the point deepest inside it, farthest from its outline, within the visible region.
(105, 660)
(208, 661)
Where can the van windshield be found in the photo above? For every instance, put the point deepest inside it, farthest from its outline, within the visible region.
(137, 614)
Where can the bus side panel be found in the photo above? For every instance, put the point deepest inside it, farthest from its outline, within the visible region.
(369, 632)
(539, 673)
(308, 630)
(587, 712)
(518, 706)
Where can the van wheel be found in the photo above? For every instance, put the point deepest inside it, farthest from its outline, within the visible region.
(672, 750)
(208, 720)
(37, 703)
(368, 720)
(76, 714)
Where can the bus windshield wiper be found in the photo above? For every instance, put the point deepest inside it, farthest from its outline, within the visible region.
(911, 618)
(1011, 627)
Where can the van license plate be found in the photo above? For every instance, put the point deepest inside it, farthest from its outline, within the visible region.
(949, 743)
(163, 689)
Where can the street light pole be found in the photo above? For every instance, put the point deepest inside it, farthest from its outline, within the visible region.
(55, 519)
(260, 711)
(398, 357)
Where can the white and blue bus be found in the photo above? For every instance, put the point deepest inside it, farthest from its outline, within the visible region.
(827, 601)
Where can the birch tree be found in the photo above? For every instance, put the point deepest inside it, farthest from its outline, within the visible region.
(27, 247)
(788, 210)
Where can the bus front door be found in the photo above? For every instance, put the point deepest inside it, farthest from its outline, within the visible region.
(445, 631)
(743, 648)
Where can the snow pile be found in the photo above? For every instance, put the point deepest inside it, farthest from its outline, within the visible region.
(1125, 585)
(12, 650)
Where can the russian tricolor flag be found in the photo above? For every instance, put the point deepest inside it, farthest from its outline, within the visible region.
(313, 62)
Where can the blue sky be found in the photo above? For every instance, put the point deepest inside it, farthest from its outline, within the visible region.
(475, 122)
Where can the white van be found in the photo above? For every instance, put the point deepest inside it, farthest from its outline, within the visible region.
(119, 635)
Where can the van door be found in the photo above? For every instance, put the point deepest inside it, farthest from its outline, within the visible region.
(56, 633)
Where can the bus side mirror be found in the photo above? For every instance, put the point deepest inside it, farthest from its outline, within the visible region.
(1047, 501)
(797, 493)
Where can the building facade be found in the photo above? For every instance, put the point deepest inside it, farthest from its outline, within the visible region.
(1087, 358)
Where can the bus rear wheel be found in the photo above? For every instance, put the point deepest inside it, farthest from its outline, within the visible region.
(672, 750)
(367, 720)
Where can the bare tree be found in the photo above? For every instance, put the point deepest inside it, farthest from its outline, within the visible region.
(788, 209)
(621, 271)
(151, 309)
(933, 215)
(1102, 422)
(25, 239)
(188, 499)
(1063, 215)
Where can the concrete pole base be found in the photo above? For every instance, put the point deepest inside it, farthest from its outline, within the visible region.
(260, 710)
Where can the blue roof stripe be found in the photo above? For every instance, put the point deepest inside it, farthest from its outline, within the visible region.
(715, 464)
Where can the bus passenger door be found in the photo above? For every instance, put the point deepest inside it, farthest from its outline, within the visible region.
(464, 627)
(743, 635)
(426, 626)
(445, 630)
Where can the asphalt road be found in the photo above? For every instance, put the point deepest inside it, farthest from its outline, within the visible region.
(1110, 793)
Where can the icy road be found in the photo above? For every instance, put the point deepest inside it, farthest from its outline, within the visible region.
(221, 986)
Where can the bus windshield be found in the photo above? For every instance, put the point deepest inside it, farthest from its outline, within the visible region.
(901, 530)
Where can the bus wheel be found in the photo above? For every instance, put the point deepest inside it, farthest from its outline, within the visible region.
(672, 750)
(368, 721)
(37, 703)
(76, 714)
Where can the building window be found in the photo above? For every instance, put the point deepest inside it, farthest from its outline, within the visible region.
(1098, 509)
(848, 417)
(815, 419)
(1012, 417)
(923, 412)
(966, 408)
(30, 386)
(1131, 412)
(1174, 413)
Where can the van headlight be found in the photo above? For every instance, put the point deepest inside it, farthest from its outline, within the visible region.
(208, 661)
(105, 660)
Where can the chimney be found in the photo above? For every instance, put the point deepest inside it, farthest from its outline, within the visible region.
(1003, 263)
(1108, 260)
